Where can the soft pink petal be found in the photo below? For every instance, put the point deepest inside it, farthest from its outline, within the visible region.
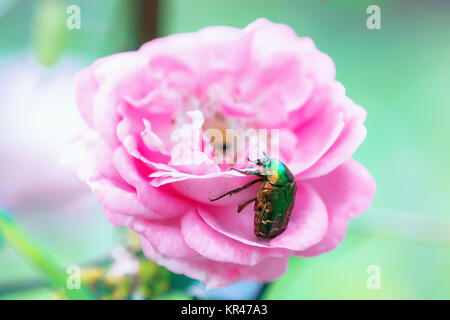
(346, 144)
(116, 77)
(207, 52)
(218, 274)
(347, 192)
(152, 141)
(121, 199)
(165, 237)
(236, 109)
(155, 199)
(187, 154)
(287, 142)
(314, 138)
(81, 159)
(280, 85)
(272, 38)
(308, 222)
(219, 247)
(103, 157)
(130, 145)
(206, 187)
(307, 226)
(327, 102)
(320, 67)
(86, 87)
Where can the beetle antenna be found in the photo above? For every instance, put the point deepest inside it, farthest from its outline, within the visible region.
(264, 153)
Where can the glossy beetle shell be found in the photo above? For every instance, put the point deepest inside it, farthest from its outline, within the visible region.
(273, 208)
(275, 197)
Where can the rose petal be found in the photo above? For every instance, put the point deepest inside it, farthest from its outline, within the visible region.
(86, 87)
(164, 236)
(347, 192)
(307, 225)
(210, 186)
(155, 199)
(216, 246)
(345, 145)
(121, 199)
(277, 89)
(218, 274)
(314, 139)
(272, 38)
(116, 77)
(327, 101)
(235, 109)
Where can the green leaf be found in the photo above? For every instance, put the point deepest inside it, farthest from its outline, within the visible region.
(49, 34)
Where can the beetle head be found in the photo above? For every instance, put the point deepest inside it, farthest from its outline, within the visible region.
(260, 161)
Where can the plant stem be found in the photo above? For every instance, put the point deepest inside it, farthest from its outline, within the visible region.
(38, 256)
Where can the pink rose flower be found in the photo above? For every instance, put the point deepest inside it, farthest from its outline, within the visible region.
(262, 76)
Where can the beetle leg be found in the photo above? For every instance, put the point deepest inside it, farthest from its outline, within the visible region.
(238, 189)
(248, 172)
(246, 203)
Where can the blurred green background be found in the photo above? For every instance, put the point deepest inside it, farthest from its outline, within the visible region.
(400, 74)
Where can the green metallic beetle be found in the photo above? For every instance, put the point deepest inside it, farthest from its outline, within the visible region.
(275, 197)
